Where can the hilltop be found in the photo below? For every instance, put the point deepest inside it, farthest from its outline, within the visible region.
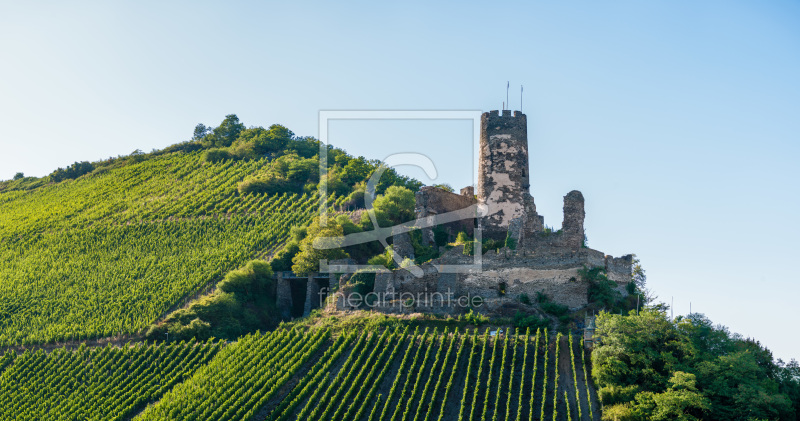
(148, 287)
(107, 248)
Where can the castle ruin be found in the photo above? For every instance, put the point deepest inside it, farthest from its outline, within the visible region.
(535, 260)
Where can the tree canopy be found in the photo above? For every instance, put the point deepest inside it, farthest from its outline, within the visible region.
(648, 367)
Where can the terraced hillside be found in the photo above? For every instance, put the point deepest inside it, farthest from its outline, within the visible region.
(103, 383)
(110, 253)
(394, 375)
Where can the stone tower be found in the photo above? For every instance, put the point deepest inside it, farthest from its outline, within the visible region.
(503, 176)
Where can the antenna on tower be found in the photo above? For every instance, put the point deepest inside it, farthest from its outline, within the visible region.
(508, 85)
(520, 98)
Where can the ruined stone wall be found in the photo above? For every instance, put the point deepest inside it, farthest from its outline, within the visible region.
(435, 201)
(619, 269)
(571, 235)
(574, 214)
(552, 271)
(543, 262)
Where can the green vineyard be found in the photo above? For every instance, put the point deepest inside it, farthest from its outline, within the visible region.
(393, 375)
(110, 254)
(104, 383)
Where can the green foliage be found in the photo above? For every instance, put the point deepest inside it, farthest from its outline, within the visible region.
(282, 260)
(269, 185)
(491, 244)
(304, 147)
(356, 170)
(362, 282)
(683, 369)
(511, 242)
(384, 259)
(440, 236)
(241, 379)
(102, 382)
(602, 290)
(19, 176)
(532, 321)
(257, 141)
(215, 155)
(223, 135)
(307, 259)
(422, 253)
(474, 318)
(469, 244)
(307, 372)
(73, 171)
(639, 276)
(200, 132)
(681, 401)
(466, 240)
(111, 253)
(394, 207)
(525, 299)
(244, 302)
(550, 307)
(446, 187)
(253, 279)
(359, 252)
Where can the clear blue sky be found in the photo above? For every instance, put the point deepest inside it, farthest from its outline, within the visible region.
(678, 120)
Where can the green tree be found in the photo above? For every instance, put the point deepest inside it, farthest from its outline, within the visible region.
(394, 207)
(641, 351)
(650, 368)
(305, 147)
(307, 260)
(19, 176)
(256, 142)
(226, 133)
(356, 170)
(739, 388)
(681, 401)
(200, 131)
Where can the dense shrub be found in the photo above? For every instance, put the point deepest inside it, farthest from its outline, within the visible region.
(216, 155)
(474, 318)
(270, 185)
(602, 290)
(362, 282)
(73, 171)
(440, 236)
(282, 260)
(511, 242)
(384, 259)
(244, 302)
(530, 321)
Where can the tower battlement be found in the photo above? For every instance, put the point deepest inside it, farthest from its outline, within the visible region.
(506, 113)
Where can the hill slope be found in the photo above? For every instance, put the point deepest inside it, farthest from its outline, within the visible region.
(394, 375)
(109, 253)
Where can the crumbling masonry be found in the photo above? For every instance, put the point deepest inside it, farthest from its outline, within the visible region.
(540, 261)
